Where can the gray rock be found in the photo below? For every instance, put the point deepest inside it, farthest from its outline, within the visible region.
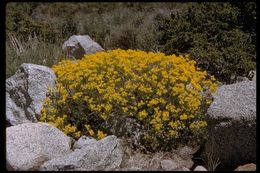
(246, 167)
(183, 162)
(232, 124)
(111, 153)
(141, 162)
(29, 145)
(84, 141)
(186, 152)
(168, 165)
(145, 162)
(25, 92)
(252, 75)
(79, 45)
(235, 101)
(105, 154)
(200, 168)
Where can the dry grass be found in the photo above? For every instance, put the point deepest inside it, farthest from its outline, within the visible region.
(112, 25)
(19, 51)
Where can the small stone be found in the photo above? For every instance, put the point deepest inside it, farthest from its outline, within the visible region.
(200, 168)
(252, 75)
(246, 167)
(168, 165)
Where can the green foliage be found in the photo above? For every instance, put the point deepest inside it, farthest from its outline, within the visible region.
(112, 25)
(211, 33)
(219, 36)
(19, 22)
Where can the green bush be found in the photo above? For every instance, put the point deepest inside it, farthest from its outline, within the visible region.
(112, 25)
(212, 34)
(219, 36)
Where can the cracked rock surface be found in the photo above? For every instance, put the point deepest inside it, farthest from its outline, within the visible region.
(25, 92)
(105, 154)
(29, 145)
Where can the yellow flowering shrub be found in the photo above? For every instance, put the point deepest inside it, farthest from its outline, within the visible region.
(166, 95)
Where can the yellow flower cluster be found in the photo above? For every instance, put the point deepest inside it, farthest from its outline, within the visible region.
(164, 93)
(59, 121)
(99, 135)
